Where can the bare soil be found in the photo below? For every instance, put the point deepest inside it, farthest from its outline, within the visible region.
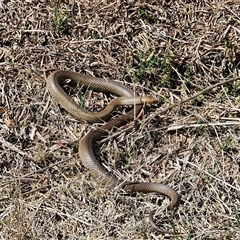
(169, 49)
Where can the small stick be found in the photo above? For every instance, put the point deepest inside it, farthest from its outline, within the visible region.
(195, 95)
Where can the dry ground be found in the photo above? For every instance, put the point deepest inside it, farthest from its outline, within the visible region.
(172, 49)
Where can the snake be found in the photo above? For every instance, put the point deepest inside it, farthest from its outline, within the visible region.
(125, 96)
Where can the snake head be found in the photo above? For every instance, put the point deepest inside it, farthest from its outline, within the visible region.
(149, 99)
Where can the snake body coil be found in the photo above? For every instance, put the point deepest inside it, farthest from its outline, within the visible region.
(86, 152)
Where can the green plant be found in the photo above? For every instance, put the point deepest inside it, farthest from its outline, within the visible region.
(166, 70)
(145, 15)
(238, 219)
(62, 21)
(150, 63)
(82, 97)
(187, 73)
(147, 63)
(202, 97)
(125, 157)
(142, 12)
(229, 43)
(227, 145)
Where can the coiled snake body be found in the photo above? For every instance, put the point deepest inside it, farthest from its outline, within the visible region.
(86, 151)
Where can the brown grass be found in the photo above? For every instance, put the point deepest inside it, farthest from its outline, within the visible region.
(172, 49)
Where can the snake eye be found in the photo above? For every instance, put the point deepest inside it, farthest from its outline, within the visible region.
(149, 99)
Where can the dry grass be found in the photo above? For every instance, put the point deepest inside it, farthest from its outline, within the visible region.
(172, 49)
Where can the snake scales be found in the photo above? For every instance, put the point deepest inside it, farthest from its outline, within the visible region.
(86, 151)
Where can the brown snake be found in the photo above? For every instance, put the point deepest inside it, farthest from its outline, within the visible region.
(86, 151)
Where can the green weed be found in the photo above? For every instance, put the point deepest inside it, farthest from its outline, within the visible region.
(125, 157)
(227, 145)
(148, 64)
(63, 21)
(82, 97)
(145, 16)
